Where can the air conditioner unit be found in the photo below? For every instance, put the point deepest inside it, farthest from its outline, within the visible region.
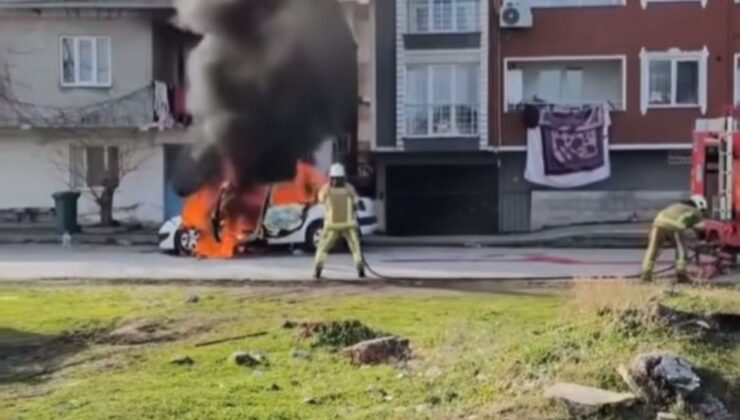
(516, 14)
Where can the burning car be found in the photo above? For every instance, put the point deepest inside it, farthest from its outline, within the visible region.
(288, 215)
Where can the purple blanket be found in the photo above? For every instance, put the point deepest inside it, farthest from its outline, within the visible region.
(572, 140)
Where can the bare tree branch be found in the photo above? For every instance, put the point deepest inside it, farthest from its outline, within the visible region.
(88, 129)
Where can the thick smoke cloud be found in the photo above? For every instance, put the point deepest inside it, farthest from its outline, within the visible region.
(269, 81)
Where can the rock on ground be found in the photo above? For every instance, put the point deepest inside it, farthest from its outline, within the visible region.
(379, 350)
(182, 361)
(585, 400)
(663, 379)
(660, 377)
(243, 358)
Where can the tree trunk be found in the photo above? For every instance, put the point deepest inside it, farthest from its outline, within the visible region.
(106, 207)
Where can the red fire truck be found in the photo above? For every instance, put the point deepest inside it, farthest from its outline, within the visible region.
(715, 174)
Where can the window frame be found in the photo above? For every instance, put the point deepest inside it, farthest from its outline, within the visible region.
(454, 103)
(674, 56)
(411, 26)
(79, 176)
(77, 83)
(645, 3)
(542, 4)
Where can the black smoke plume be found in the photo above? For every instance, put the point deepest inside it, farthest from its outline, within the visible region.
(269, 81)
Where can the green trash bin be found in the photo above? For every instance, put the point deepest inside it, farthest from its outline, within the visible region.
(65, 203)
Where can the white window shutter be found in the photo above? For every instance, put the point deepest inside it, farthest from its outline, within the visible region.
(644, 80)
(703, 76)
(514, 87)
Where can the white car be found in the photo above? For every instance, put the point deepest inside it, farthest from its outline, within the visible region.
(176, 238)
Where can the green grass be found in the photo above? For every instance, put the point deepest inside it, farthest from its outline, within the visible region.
(476, 354)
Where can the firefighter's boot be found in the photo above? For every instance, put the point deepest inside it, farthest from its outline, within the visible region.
(361, 270)
(646, 277)
(682, 277)
(317, 271)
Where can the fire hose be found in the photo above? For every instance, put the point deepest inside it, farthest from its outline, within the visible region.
(547, 278)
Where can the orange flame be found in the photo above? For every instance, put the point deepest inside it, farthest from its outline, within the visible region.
(242, 214)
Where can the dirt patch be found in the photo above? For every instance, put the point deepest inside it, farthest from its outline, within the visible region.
(20, 362)
(147, 332)
(377, 351)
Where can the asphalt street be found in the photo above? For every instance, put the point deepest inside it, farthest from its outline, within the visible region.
(33, 262)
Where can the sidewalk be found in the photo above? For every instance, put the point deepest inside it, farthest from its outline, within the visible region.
(19, 234)
(586, 236)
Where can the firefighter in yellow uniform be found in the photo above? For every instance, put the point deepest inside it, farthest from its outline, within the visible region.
(340, 220)
(673, 221)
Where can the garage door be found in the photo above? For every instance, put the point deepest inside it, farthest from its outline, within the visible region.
(441, 200)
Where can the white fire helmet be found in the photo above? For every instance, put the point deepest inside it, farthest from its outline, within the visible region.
(337, 171)
(700, 202)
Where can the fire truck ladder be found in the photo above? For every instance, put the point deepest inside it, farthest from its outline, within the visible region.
(725, 154)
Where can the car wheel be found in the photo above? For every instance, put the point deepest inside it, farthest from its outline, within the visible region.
(313, 235)
(185, 240)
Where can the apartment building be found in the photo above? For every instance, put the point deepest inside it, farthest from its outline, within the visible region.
(435, 173)
(656, 65)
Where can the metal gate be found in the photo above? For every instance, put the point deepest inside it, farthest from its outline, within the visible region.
(441, 200)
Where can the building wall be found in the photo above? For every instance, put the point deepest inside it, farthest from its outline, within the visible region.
(385, 73)
(641, 183)
(625, 30)
(33, 168)
(30, 46)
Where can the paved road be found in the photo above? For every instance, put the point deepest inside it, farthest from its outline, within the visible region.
(31, 262)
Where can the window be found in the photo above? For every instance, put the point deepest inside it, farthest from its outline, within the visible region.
(561, 86)
(90, 166)
(674, 80)
(442, 100)
(575, 3)
(427, 16)
(644, 3)
(86, 61)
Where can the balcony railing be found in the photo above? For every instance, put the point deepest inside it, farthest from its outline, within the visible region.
(132, 110)
(442, 120)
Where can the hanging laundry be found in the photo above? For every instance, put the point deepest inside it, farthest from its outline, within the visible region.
(162, 108)
(570, 147)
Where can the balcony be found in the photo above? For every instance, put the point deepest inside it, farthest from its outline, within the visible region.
(568, 81)
(442, 127)
(441, 120)
(135, 110)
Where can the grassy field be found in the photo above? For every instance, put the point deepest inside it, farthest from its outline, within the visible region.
(484, 353)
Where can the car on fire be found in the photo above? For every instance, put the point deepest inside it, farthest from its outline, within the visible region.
(304, 231)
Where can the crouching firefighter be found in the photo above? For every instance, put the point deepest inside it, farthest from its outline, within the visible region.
(340, 201)
(673, 222)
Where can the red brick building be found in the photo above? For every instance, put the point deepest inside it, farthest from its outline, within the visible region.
(660, 64)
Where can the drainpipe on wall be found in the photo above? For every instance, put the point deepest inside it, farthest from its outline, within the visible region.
(499, 72)
(729, 53)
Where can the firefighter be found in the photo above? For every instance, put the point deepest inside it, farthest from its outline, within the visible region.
(340, 201)
(673, 222)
